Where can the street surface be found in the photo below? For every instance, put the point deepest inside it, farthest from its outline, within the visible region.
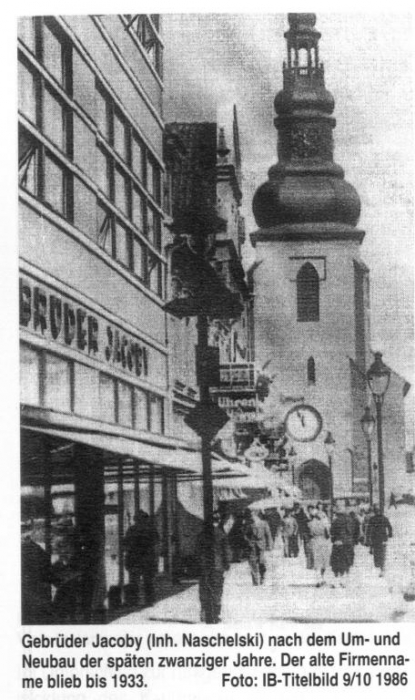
(289, 592)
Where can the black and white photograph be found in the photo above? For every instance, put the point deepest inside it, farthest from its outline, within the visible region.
(216, 320)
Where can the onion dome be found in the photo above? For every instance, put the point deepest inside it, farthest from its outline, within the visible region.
(305, 186)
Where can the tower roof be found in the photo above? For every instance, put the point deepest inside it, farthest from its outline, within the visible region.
(306, 187)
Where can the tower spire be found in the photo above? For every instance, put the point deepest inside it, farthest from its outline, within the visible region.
(306, 187)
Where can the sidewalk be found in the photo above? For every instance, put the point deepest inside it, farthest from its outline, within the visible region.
(289, 592)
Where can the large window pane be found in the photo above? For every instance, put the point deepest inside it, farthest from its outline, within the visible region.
(29, 375)
(26, 32)
(154, 274)
(138, 210)
(103, 114)
(122, 244)
(52, 54)
(54, 185)
(105, 234)
(121, 191)
(140, 409)
(87, 391)
(153, 180)
(138, 158)
(28, 161)
(125, 404)
(154, 228)
(156, 414)
(57, 383)
(103, 172)
(54, 120)
(120, 136)
(107, 398)
(139, 258)
(27, 92)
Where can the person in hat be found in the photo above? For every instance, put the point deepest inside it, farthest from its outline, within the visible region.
(212, 573)
(379, 531)
(259, 540)
(139, 544)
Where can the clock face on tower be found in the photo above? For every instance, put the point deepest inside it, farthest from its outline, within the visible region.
(303, 423)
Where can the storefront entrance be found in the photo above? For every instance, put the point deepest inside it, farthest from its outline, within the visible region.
(77, 504)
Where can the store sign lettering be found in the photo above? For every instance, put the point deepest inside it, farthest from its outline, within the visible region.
(49, 315)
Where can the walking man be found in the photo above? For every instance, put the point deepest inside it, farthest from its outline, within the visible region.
(259, 540)
(139, 544)
(380, 530)
(212, 577)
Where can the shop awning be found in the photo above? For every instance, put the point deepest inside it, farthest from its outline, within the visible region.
(187, 462)
(173, 458)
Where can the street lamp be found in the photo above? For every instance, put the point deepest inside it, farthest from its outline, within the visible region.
(378, 378)
(368, 423)
(329, 443)
(292, 453)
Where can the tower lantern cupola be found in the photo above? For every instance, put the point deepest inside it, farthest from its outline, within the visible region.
(306, 188)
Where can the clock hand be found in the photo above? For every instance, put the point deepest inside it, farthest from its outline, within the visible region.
(301, 417)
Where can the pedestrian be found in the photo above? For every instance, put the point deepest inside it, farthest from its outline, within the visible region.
(304, 532)
(37, 577)
(380, 530)
(354, 532)
(392, 501)
(259, 540)
(319, 527)
(290, 535)
(212, 573)
(340, 558)
(140, 556)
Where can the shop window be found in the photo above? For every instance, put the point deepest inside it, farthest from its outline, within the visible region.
(107, 398)
(311, 370)
(122, 244)
(105, 229)
(308, 293)
(156, 414)
(29, 375)
(140, 409)
(86, 391)
(58, 383)
(28, 92)
(125, 404)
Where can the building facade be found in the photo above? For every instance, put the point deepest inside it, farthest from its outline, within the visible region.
(312, 301)
(98, 439)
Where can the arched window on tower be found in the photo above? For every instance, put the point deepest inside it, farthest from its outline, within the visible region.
(308, 293)
(311, 370)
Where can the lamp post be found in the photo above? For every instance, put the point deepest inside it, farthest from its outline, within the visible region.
(329, 443)
(378, 378)
(292, 453)
(368, 423)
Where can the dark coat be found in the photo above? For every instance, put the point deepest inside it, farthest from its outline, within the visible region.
(379, 529)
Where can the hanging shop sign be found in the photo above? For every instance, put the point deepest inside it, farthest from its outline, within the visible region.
(58, 318)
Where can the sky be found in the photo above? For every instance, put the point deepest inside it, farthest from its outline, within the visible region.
(213, 61)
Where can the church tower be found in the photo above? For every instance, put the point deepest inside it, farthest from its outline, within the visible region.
(311, 287)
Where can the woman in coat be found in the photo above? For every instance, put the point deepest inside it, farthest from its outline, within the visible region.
(319, 527)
